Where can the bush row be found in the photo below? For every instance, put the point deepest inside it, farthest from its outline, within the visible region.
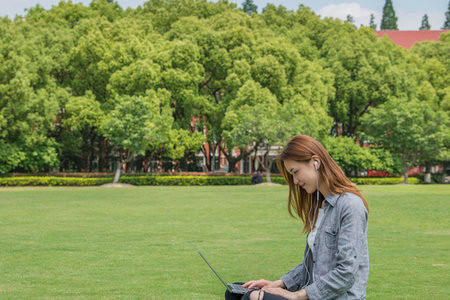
(385, 180)
(168, 180)
(52, 181)
(365, 181)
(190, 180)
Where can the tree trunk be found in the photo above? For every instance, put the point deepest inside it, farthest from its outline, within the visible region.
(233, 160)
(118, 168)
(103, 163)
(207, 155)
(253, 160)
(428, 172)
(444, 173)
(405, 171)
(269, 167)
(266, 163)
(213, 162)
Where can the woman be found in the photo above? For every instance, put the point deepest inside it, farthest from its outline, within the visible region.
(335, 216)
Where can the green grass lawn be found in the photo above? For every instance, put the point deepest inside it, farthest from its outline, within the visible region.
(139, 243)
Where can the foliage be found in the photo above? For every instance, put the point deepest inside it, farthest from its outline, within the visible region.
(249, 7)
(139, 180)
(350, 19)
(410, 130)
(389, 20)
(80, 85)
(52, 181)
(383, 181)
(372, 22)
(350, 155)
(138, 121)
(447, 18)
(425, 24)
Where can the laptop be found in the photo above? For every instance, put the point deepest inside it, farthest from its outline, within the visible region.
(231, 287)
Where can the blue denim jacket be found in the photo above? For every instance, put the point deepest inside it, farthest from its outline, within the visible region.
(339, 266)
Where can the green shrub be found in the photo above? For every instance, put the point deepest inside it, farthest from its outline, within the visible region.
(383, 180)
(186, 180)
(167, 180)
(237, 180)
(52, 181)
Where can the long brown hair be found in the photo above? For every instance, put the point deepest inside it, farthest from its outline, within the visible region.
(301, 148)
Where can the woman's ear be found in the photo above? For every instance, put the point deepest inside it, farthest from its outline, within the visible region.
(316, 162)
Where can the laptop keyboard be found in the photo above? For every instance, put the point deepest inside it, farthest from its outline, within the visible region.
(237, 288)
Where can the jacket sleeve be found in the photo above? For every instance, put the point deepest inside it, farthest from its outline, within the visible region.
(353, 224)
(295, 278)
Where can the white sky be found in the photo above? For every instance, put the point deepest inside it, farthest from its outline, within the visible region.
(408, 12)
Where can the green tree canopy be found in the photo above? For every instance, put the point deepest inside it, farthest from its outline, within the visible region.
(66, 71)
(136, 122)
(249, 7)
(425, 24)
(447, 18)
(389, 20)
(372, 22)
(411, 130)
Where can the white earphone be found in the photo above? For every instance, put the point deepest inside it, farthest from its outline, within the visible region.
(310, 224)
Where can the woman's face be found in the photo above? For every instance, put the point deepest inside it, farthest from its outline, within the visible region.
(303, 173)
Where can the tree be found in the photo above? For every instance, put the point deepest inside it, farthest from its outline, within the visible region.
(350, 19)
(249, 7)
(135, 123)
(29, 98)
(447, 18)
(409, 129)
(372, 22)
(64, 70)
(251, 120)
(82, 118)
(352, 158)
(425, 24)
(206, 73)
(361, 75)
(389, 20)
(256, 118)
(432, 59)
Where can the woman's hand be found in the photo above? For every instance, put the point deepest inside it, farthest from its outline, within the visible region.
(299, 295)
(263, 283)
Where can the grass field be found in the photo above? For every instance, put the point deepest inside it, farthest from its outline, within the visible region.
(139, 243)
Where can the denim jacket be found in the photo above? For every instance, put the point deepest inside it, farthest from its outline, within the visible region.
(338, 268)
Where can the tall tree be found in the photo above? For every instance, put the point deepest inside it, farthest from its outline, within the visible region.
(249, 7)
(447, 18)
(350, 19)
(362, 78)
(409, 129)
(351, 157)
(435, 65)
(425, 24)
(135, 123)
(372, 22)
(389, 20)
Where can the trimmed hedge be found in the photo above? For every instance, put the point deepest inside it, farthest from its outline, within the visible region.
(52, 181)
(168, 180)
(383, 180)
(185, 180)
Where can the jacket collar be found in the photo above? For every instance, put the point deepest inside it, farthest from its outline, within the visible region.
(331, 199)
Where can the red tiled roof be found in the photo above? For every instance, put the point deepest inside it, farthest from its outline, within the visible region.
(407, 39)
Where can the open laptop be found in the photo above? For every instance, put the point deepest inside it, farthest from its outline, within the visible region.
(231, 287)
